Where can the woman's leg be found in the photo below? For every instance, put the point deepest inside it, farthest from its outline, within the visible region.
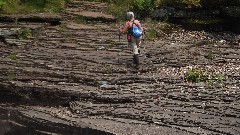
(135, 45)
(135, 49)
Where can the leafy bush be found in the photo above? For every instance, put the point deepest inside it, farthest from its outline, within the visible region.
(119, 8)
(143, 7)
(2, 3)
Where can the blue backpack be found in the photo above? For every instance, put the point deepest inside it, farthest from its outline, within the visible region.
(136, 31)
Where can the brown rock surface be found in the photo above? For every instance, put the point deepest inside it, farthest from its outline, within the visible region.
(79, 79)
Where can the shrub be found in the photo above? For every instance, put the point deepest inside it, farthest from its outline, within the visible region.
(143, 7)
(119, 8)
(2, 3)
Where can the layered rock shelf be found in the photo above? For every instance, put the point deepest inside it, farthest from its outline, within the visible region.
(78, 78)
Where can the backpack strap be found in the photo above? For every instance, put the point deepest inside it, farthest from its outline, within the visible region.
(132, 26)
(133, 23)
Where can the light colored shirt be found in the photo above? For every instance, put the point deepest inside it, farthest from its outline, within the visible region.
(129, 24)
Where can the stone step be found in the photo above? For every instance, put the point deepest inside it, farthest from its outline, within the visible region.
(91, 11)
(89, 4)
(42, 17)
(94, 16)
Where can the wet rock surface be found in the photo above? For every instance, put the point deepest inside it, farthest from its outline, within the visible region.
(78, 78)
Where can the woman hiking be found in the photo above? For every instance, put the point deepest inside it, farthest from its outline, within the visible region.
(134, 41)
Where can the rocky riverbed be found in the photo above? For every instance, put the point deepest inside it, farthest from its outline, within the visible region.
(77, 77)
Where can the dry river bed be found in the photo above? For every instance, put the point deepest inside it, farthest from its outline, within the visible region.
(78, 78)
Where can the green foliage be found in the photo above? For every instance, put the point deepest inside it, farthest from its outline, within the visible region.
(16, 6)
(210, 55)
(108, 1)
(54, 5)
(151, 34)
(2, 3)
(143, 7)
(13, 56)
(119, 8)
(186, 2)
(32, 6)
(191, 2)
(159, 2)
(196, 75)
(24, 33)
(219, 78)
(10, 75)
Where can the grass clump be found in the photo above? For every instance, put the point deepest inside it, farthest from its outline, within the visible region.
(209, 55)
(197, 75)
(24, 33)
(10, 75)
(151, 34)
(13, 56)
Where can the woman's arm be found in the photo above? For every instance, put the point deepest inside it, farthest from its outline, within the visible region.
(124, 29)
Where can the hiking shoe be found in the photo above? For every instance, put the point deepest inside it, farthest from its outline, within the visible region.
(136, 59)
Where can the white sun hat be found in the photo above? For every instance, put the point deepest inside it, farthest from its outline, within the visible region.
(130, 15)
